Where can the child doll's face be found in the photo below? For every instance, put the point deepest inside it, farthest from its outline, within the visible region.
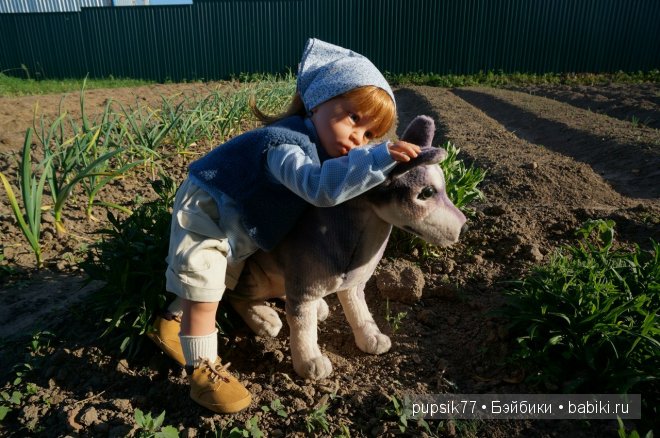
(341, 126)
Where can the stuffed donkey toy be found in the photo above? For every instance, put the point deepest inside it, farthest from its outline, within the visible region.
(337, 250)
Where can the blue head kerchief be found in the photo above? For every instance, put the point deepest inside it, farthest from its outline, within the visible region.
(326, 71)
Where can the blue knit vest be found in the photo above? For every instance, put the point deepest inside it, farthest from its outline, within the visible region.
(237, 168)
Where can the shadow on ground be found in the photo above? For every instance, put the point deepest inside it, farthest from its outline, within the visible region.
(631, 169)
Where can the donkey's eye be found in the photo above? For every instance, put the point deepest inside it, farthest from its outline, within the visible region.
(426, 193)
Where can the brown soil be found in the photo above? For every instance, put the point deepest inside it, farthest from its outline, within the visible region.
(555, 156)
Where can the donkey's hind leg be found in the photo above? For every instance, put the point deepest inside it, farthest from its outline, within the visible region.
(368, 336)
(262, 319)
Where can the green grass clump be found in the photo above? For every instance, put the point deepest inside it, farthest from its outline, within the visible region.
(461, 181)
(13, 86)
(588, 320)
(31, 181)
(130, 260)
(502, 79)
(17, 86)
(149, 427)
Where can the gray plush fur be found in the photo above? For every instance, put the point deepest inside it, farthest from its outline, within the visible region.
(336, 250)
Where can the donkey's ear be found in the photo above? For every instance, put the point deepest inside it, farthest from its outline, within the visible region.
(428, 155)
(420, 131)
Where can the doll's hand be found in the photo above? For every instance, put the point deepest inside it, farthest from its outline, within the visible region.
(403, 151)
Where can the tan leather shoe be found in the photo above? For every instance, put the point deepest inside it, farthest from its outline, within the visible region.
(165, 334)
(213, 387)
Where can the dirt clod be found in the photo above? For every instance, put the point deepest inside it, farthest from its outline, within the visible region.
(89, 416)
(400, 280)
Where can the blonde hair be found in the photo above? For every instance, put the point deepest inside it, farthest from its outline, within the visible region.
(373, 102)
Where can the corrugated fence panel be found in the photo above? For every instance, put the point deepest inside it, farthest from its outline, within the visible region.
(215, 39)
(31, 6)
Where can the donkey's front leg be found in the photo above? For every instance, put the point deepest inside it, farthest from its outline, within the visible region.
(368, 336)
(305, 353)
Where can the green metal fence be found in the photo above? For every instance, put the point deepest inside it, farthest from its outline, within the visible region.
(215, 39)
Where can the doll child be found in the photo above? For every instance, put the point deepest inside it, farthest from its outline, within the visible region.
(248, 193)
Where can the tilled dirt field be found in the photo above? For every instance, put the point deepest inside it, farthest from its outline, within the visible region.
(555, 156)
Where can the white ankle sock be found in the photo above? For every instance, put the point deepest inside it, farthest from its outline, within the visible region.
(176, 307)
(197, 348)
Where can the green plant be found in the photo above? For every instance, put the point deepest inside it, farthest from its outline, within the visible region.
(31, 188)
(317, 419)
(106, 156)
(148, 129)
(402, 411)
(186, 124)
(13, 86)
(231, 111)
(182, 120)
(393, 321)
(83, 158)
(461, 181)
(149, 427)
(277, 407)
(9, 402)
(343, 431)
(130, 259)
(251, 429)
(40, 342)
(13, 393)
(621, 431)
(274, 94)
(398, 410)
(502, 79)
(96, 181)
(588, 320)
(193, 120)
(87, 170)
